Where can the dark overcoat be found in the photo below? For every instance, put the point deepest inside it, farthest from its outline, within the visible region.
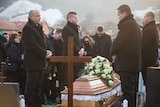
(34, 47)
(127, 45)
(149, 45)
(103, 45)
(70, 30)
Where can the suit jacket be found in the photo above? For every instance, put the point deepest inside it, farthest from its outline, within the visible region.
(127, 45)
(34, 46)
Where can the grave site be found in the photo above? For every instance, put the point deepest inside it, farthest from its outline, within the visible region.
(98, 84)
(86, 90)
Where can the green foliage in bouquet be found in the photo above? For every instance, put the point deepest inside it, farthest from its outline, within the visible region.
(100, 66)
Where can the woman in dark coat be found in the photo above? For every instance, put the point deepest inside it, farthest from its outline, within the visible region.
(13, 55)
(89, 45)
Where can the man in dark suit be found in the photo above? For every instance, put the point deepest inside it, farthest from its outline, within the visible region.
(127, 51)
(71, 29)
(150, 40)
(35, 55)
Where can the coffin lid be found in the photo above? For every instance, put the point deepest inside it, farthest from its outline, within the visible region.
(90, 85)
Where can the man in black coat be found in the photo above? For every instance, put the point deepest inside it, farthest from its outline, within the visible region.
(71, 29)
(150, 40)
(126, 51)
(103, 43)
(35, 55)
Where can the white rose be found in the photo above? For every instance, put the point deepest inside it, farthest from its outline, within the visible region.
(103, 76)
(106, 66)
(97, 71)
(91, 72)
(102, 59)
(90, 67)
(105, 71)
(110, 82)
(97, 66)
(94, 59)
(98, 57)
(90, 64)
(109, 76)
(110, 69)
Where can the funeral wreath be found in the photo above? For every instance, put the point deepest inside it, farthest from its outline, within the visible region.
(100, 66)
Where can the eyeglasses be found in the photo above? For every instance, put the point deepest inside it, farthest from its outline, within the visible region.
(86, 41)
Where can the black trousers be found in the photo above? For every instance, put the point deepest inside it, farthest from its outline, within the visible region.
(153, 87)
(33, 95)
(129, 85)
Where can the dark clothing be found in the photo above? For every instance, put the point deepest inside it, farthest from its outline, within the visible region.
(127, 48)
(52, 92)
(103, 45)
(13, 54)
(34, 60)
(51, 43)
(60, 73)
(34, 46)
(13, 57)
(33, 97)
(91, 51)
(71, 30)
(149, 47)
(3, 41)
(129, 84)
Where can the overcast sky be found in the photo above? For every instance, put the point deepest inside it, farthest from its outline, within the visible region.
(103, 10)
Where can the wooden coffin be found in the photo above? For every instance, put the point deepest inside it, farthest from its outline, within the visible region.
(92, 91)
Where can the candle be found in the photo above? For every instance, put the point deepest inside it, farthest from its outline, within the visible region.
(125, 103)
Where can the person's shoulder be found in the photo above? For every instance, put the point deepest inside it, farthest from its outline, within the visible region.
(26, 26)
(106, 35)
(94, 36)
(66, 30)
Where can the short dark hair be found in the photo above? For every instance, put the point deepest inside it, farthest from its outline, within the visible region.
(100, 29)
(151, 14)
(124, 8)
(70, 14)
(4, 34)
(13, 36)
(58, 30)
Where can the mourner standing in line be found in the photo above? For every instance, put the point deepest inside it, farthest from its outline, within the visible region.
(35, 55)
(51, 88)
(89, 45)
(71, 29)
(14, 62)
(126, 51)
(150, 40)
(103, 43)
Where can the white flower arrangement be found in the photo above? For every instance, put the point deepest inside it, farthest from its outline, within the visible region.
(100, 66)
